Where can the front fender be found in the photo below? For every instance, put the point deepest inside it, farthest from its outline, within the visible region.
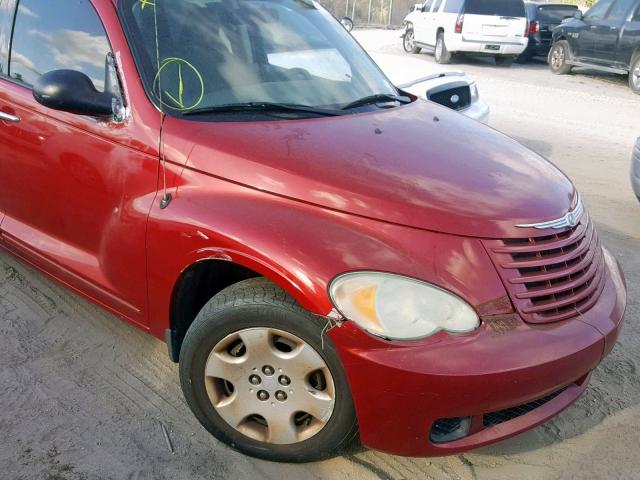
(300, 247)
(411, 18)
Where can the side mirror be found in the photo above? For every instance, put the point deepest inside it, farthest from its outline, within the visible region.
(347, 23)
(578, 15)
(72, 91)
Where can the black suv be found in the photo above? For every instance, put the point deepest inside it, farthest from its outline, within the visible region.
(543, 18)
(605, 38)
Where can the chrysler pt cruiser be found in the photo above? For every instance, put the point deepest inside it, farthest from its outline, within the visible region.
(325, 256)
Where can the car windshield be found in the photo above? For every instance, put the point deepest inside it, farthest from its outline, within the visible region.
(556, 13)
(200, 56)
(503, 8)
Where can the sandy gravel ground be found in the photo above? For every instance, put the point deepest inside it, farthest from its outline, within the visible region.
(85, 396)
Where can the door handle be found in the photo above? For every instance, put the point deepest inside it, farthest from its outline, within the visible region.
(613, 28)
(7, 117)
(593, 27)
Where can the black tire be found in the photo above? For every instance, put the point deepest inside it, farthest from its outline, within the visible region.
(502, 61)
(634, 74)
(441, 54)
(408, 42)
(347, 23)
(559, 54)
(260, 303)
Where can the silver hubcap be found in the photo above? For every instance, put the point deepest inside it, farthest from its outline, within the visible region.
(270, 385)
(408, 40)
(635, 76)
(557, 57)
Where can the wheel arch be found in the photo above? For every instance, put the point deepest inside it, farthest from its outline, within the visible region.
(202, 279)
(561, 37)
(195, 286)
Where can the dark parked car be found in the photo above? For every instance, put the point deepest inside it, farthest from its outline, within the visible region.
(543, 18)
(606, 38)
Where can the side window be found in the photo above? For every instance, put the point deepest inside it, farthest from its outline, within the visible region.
(58, 34)
(427, 6)
(620, 10)
(598, 11)
(453, 6)
(437, 6)
(7, 10)
(636, 17)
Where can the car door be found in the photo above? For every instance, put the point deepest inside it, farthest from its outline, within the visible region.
(630, 39)
(76, 190)
(609, 30)
(586, 34)
(433, 22)
(7, 11)
(421, 27)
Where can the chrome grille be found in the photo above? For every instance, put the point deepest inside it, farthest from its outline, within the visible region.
(552, 277)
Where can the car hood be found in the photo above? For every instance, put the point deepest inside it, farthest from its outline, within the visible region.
(404, 72)
(419, 165)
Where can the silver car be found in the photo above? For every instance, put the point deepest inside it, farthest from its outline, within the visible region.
(635, 169)
(446, 86)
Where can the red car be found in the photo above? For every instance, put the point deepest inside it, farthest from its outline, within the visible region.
(323, 254)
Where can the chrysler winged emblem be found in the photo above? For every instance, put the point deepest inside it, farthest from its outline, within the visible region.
(569, 220)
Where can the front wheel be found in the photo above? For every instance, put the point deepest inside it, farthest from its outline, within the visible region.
(634, 74)
(558, 57)
(347, 23)
(409, 42)
(260, 375)
(441, 53)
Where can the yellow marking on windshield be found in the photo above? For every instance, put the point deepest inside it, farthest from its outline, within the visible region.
(145, 3)
(175, 87)
(181, 86)
(175, 100)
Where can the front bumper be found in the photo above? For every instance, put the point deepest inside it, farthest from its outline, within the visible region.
(463, 44)
(401, 388)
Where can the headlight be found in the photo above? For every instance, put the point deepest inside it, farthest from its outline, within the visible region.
(474, 92)
(400, 308)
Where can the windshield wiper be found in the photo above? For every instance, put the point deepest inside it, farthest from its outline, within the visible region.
(379, 98)
(250, 107)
